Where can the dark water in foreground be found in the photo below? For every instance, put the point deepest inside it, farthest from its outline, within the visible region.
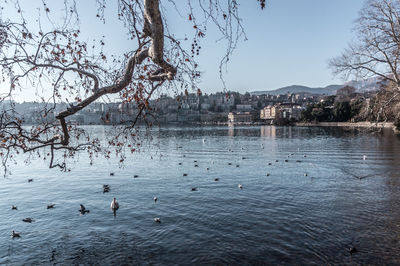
(283, 218)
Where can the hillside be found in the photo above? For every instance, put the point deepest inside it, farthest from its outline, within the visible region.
(361, 86)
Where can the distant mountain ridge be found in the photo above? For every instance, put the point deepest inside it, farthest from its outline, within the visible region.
(361, 86)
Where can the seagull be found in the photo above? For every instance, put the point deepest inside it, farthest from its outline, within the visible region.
(114, 204)
(204, 140)
(364, 157)
(50, 206)
(157, 220)
(240, 186)
(13, 207)
(15, 234)
(155, 199)
(27, 220)
(83, 209)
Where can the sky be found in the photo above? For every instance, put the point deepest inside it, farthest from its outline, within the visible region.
(289, 42)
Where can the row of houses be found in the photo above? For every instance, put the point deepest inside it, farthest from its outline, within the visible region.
(271, 114)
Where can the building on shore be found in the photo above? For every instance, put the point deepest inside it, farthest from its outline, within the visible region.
(268, 112)
(241, 117)
(286, 111)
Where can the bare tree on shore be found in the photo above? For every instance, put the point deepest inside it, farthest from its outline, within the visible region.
(375, 53)
(56, 58)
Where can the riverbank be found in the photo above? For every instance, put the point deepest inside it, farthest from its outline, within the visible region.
(364, 124)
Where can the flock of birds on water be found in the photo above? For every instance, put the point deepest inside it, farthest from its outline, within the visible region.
(114, 205)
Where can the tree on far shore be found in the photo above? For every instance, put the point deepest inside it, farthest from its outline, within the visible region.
(376, 53)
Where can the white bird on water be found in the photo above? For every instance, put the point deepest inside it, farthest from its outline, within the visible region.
(364, 157)
(114, 204)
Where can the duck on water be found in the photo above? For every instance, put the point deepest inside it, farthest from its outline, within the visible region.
(82, 209)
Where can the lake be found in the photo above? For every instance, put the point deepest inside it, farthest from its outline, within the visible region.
(308, 195)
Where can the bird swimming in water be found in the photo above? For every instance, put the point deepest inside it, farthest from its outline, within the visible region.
(216, 179)
(111, 174)
(352, 250)
(194, 189)
(185, 174)
(114, 204)
(82, 209)
(240, 186)
(135, 176)
(27, 220)
(157, 220)
(106, 188)
(50, 206)
(155, 199)
(30, 180)
(15, 234)
(364, 157)
(13, 207)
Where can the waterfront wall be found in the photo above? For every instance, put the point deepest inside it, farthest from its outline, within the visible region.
(349, 124)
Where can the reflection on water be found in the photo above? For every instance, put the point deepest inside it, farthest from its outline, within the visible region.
(320, 198)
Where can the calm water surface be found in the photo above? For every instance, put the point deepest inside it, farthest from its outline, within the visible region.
(284, 218)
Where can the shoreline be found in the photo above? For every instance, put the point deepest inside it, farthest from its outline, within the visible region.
(364, 124)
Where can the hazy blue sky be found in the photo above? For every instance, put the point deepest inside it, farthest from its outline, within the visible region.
(289, 42)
